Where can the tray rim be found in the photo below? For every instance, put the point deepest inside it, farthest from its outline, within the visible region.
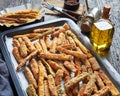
(17, 84)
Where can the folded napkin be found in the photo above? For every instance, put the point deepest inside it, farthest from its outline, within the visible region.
(5, 88)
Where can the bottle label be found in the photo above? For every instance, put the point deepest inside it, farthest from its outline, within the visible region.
(103, 25)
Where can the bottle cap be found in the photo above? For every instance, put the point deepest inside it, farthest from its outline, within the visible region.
(106, 11)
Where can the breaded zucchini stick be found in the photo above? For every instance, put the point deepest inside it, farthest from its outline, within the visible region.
(54, 65)
(79, 44)
(58, 77)
(94, 64)
(52, 87)
(102, 92)
(38, 47)
(53, 45)
(43, 44)
(40, 80)
(61, 91)
(77, 54)
(31, 55)
(23, 48)
(61, 39)
(34, 68)
(31, 90)
(16, 43)
(99, 81)
(90, 85)
(55, 56)
(41, 30)
(81, 91)
(47, 66)
(70, 66)
(30, 77)
(46, 89)
(16, 53)
(45, 71)
(110, 85)
(48, 41)
(29, 44)
(74, 81)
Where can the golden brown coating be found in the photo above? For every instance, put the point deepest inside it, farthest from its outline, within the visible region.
(31, 90)
(29, 44)
(52, 87)
(81, 91)
(74, 81)
(16, 43)
(79, 44)
(61, 39)
(45, 71)
(55, 56)
(43, 45)
(90, 86)
(102, 92)
(31, 55)
(34, 68)
(54, 65)
(38, 47)
(110, 85)
(23, 48)
(46, 89)
(58, 77)
(77, 54)
(41, 30)
(99, 81)
(94, 64)
(16, 54)
(41, 80)
(47, 66)
(53, 45)
(30, 77)
(70, 66)
(48, 41)
(60, 91)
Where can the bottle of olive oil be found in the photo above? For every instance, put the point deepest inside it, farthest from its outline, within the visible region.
(102, 32)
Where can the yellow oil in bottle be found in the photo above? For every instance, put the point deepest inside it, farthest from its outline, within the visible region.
(101, 35)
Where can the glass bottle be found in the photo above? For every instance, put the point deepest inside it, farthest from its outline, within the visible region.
(102, 32)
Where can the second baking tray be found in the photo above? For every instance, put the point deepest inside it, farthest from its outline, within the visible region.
(19, 79)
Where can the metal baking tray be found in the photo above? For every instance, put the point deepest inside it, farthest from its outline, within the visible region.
(18, 77)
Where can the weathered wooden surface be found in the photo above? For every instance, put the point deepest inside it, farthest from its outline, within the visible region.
(113, 55)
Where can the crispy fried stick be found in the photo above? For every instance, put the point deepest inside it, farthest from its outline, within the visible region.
(49, 69)
(29, 44)
(23, 48)
(52, 87)
(77, 54)
(82, 89)
(58, 77)
(30, 77)
(48, 41)
(107, 81)
(43, 34)
(54, 65)
(90, 86)
(41, 79)
(16, 53)
(94, 64)
(34, 68)
(55, 56)
(31, 90)
(16, 43)
(38, 47)
(46, 89)
(45, 71)
(79, 44)
(43, 44)
(53, 45)
(70, 66)
(102, 92)
(26, 59)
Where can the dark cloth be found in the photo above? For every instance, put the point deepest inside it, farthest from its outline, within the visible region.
(5, 88)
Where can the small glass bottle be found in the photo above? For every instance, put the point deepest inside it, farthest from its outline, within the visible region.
(87, 21)
(102, 32)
